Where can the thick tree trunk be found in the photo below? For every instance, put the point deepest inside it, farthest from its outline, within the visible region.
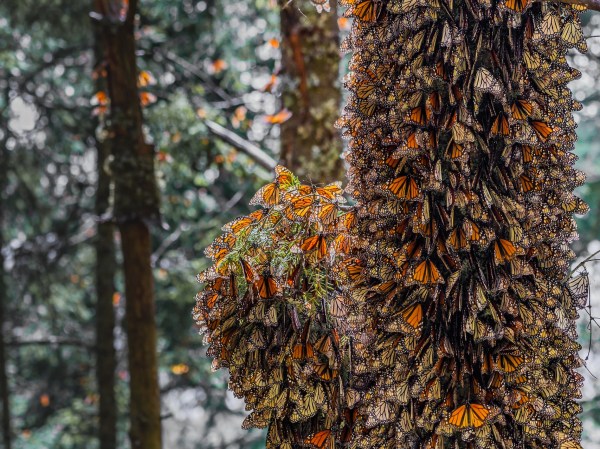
(4, 391)
(136, 204)
(310, 145)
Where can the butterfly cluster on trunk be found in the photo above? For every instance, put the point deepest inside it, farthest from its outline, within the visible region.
(437, 312)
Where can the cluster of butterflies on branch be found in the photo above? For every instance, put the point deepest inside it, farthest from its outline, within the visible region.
(437, 311)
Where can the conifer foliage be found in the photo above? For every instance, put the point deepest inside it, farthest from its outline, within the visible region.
(438, 311)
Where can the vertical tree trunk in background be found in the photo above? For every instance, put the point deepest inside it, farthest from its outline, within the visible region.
(105, 288)
(310, 145)
(4, 392)
(136, 204)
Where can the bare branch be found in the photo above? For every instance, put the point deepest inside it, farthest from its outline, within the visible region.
(190, 68)
(246, 147)
(51, 341)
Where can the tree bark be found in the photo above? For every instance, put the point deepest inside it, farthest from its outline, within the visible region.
(141, 334)
(310, 145)
(135, 205)
(105, 287)
(105, 318)
(4, 390)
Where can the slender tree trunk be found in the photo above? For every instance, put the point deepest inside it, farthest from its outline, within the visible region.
(141, 332)
(136, 204)
(4, 391)
(310, 145)
(105, 318)
(105, 288)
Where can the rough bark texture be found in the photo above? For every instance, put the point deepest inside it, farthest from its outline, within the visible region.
(310, 145)
(136, 203)
(4, 392)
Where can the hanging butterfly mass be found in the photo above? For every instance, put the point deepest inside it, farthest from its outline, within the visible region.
(439, 307)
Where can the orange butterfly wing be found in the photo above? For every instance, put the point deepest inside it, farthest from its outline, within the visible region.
(319, 439)
(542, 130)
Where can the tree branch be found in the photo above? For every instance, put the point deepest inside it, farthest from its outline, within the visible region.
(246, 147)
(51, 341)
(593, 5)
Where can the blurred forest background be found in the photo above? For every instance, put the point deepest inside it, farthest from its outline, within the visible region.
(227, 89)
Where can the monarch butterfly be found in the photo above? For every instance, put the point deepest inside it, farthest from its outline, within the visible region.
(526, 184)
(570, 444)
(404, 187)
(367, 107)
(382, 412)
(365, 88)
(542, 130)
(342, 244)
(305, 408)
(486, 82)
(300, 207)
(469, 415)
(327, 213)
(517, 5)
(572, 35)
(304, 349)
(500, 126)
(509, 362)
(210, 298)
(238, 225)
(419, 115)
(331, 191)
(368, 10)
(266, 286)
(413, 315)
(521, 109)
(551, 25)
(455, 150)
(348, 221)
(504, 250)
(320, 439)
(458, 239)
(316, 242)
(532, 59)
(427, 273)
(248, 271)
(434, 102)
(579, 287)
(411, 142)
(217, 253)
(325, 372)
(269, 195)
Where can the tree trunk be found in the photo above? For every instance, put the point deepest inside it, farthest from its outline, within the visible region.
(310, 145)
(141, 332)
(105, 318)
(4, 391)
(105, 288)
(136, 204)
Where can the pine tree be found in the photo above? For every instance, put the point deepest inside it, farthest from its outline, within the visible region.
(448, 304)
